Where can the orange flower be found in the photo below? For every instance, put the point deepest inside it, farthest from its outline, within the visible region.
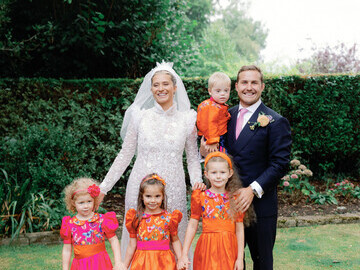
(157, 177)
(263, 120)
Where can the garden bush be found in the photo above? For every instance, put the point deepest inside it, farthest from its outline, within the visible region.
(53, 130)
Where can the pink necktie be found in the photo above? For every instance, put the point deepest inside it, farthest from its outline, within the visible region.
(240, 121)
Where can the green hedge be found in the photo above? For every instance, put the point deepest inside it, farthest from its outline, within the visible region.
(55, 130)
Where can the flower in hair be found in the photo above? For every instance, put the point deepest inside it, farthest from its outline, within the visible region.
(93, 190)
(157, 177)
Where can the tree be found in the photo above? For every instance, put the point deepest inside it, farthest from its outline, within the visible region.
(87, 38)
(248, 35)
(229, 42)
(337, 59)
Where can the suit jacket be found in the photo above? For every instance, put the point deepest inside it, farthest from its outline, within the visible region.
(261, 155)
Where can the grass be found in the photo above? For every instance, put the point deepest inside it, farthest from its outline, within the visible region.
(316, 247)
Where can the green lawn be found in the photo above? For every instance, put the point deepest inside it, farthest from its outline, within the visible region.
(317, 247)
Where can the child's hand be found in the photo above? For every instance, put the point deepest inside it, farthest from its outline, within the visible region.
(239, 265)
(119, 266)
(212, 147)
(183, 263)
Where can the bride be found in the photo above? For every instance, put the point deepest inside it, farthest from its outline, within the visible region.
(158, 127)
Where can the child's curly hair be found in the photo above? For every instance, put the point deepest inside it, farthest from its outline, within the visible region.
(78, 184)
(232, 186)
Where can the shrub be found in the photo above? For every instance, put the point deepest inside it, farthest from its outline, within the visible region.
(23, 211)
(55, 130)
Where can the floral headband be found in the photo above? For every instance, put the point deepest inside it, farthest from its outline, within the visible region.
(218, 154)
(93, 190)
(167, 66)
(154, 176)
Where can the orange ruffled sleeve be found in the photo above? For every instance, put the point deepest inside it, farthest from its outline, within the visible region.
(176, 217)
(110, 224)
(65, 231)
(240, 217)
(196, 210)
(129, 221)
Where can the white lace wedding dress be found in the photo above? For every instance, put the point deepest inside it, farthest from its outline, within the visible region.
(159, 138)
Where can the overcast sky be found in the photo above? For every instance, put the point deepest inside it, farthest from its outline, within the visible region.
(299, 24)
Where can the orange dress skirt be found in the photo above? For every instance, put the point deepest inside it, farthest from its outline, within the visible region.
(153, 259)
(153, 239)
(212, 249)
(217, 246)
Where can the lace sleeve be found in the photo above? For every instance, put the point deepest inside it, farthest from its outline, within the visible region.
(191, 149)
(123, 159)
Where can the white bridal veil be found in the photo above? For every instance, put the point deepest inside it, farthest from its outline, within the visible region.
(145, 100)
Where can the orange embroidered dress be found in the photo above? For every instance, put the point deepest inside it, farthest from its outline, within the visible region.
(217, 245)
(88, 240)
(212, 119)
(153, 236)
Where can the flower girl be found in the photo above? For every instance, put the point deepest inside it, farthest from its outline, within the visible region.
(221, 244)
(86, 231)
(151, 229)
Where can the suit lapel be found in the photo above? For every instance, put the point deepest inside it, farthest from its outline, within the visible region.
(232, 126)
(246, 133)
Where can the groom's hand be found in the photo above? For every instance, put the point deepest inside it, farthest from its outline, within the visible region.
(244, 198)
(203, 149)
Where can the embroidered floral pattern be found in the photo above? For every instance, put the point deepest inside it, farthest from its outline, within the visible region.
(216, 205)
(87, 232)
(155, 227)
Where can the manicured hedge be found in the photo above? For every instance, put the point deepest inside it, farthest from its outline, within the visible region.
(55, 130)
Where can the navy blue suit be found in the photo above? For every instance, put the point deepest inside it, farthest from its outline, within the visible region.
(261, 155)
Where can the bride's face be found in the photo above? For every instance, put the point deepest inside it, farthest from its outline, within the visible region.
(163, 90)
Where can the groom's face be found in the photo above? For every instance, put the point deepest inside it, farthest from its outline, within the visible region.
(249, 87)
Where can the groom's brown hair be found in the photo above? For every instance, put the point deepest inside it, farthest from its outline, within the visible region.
(250, 67)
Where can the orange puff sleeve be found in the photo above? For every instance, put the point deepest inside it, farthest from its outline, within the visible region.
(176, 217)
(65, 231)
(129, 222)
(240, 217)
(110, 224)
(196, 210)
(212, 120)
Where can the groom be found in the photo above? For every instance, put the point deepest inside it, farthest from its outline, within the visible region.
(259, 141)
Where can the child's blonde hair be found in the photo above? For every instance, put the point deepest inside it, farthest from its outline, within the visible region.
(218, 76)
(232, 186)
(80, 185)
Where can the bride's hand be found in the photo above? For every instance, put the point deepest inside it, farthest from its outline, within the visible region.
(199, 185)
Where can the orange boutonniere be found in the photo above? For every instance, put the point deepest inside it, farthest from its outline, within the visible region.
(262, 121)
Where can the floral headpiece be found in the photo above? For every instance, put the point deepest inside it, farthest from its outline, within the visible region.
(163, 66)
(93, 190)
(218, 154)
(154, 176)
